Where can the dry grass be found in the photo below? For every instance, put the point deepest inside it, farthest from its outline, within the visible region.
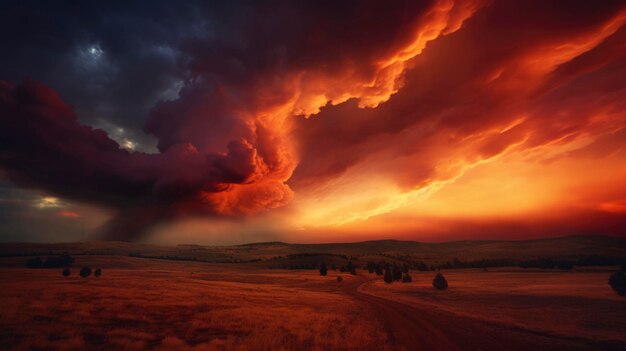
(565, 304)
(147, 304)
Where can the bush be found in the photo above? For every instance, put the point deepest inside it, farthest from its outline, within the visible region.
(617, 281)
(339, 278)
(34, 262)
(407, 278)
(98, 272)
(85, 272)
(66, 272)
(323, 269)
(440, 282)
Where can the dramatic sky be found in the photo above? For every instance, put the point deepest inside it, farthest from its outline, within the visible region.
(313, 121)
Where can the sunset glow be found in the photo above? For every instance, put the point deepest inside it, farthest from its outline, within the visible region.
(423, 120)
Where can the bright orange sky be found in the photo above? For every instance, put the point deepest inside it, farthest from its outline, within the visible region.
(453, 120)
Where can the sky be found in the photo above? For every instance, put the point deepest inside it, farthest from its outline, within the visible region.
(313, 121)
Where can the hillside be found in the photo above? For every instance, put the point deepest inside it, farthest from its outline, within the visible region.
(282, 255)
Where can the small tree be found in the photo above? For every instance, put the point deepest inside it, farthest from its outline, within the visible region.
(440, 282)
(323, 269)
(339, 278)
(388, 277)
(98, 272)
(397, 272)
(379, 269)
(371, 266)
(85, 272)
(617, 281)
(407, 278)
(66, 272)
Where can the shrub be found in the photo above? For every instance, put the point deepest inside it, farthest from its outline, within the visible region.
(323, 269)
(98, 272)
(440, 282)
(339, 278)
(34, 262)
(617, 281)
(388, 277)
(66, 272)
(85, 272)
(407, 278)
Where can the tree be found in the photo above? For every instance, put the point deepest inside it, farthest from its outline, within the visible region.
(34, 262)
(66, 272)
(407, 278)
(371, 267)
(617, 281)
(350, 268)
(98, 272)
(388, 277)
(379, 269)
(323, 269)
(85, 272)
(440, 282)
(397, 272)
(339, 278)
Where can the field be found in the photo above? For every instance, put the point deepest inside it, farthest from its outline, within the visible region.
(150, 304)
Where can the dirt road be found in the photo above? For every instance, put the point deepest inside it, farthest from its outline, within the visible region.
(411, 327)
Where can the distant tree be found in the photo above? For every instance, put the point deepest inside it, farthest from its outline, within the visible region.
(405, 268)
(371, 267)
(339, 278)
(85, 272)
(34, 262)
(397, 272)
(66, 272)
(617, 281)
(98, 272)
(334, 267)
(323, 269)
(379, 269)
(407, 278)
(440, 282)
(388, 276)
(350, 268)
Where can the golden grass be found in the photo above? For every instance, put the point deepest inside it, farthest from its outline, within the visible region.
(179, 306)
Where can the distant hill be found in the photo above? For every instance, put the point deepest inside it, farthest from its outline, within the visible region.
(279, 254)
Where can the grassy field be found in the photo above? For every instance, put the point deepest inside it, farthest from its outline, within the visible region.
(149, 304)
(562, 304)
(155, 304)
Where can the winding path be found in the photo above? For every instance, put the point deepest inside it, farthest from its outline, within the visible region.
(415, 328)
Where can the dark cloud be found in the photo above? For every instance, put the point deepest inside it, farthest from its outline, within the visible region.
(208, 93)
(43, 146)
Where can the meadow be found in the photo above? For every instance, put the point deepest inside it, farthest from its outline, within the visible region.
(150, 304)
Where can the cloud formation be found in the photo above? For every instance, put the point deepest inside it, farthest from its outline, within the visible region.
(346, 111)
